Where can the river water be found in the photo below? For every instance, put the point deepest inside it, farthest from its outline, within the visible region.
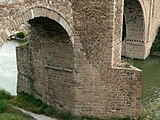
(8, 67)
(150, 78)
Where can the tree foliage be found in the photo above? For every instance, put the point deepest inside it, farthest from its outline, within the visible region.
(156, 43)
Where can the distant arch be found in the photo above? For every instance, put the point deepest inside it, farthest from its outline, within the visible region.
(135, 22)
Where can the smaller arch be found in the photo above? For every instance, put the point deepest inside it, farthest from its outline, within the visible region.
(135, 21)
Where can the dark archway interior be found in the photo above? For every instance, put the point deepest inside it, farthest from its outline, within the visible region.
(124, 29)
(49, 26)
(134, 20)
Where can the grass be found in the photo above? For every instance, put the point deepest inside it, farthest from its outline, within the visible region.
(5, 95)
(27, 102)
(11, 116)
(7, 112)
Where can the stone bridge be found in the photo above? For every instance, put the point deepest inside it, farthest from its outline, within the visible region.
(73, 57)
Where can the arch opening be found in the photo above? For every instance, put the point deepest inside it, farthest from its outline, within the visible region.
(133, 18)
(49, 61)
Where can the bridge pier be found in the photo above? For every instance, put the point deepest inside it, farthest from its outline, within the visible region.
(73, 58)
(134, 51)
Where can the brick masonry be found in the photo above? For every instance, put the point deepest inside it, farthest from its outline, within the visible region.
(73, 57)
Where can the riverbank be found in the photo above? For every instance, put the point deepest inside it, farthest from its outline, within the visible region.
(33, 105)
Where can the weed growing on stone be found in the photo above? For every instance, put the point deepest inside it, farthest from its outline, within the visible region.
(156, 43)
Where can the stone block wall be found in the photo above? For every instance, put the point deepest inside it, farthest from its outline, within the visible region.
(25, 69)
(117, 42)
(125, 91)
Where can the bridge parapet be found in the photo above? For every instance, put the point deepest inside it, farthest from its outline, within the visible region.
(2, 2)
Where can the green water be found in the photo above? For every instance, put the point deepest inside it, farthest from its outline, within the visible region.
(150, 78)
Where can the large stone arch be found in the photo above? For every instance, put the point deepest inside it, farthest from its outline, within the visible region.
(46, 69)
(135, 29)
(40, 61)
(30, 13)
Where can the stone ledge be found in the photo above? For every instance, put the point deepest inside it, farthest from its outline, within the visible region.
(58, 68)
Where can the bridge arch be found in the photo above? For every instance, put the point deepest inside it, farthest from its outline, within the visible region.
(135, 24)
(31, 13)
(48, 59)
(134, 15)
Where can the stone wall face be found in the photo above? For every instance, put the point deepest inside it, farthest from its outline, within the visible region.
(125, 92)
(74, 59)
(25, 70)
(101, 43)
(117, 42)
(93, 24)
